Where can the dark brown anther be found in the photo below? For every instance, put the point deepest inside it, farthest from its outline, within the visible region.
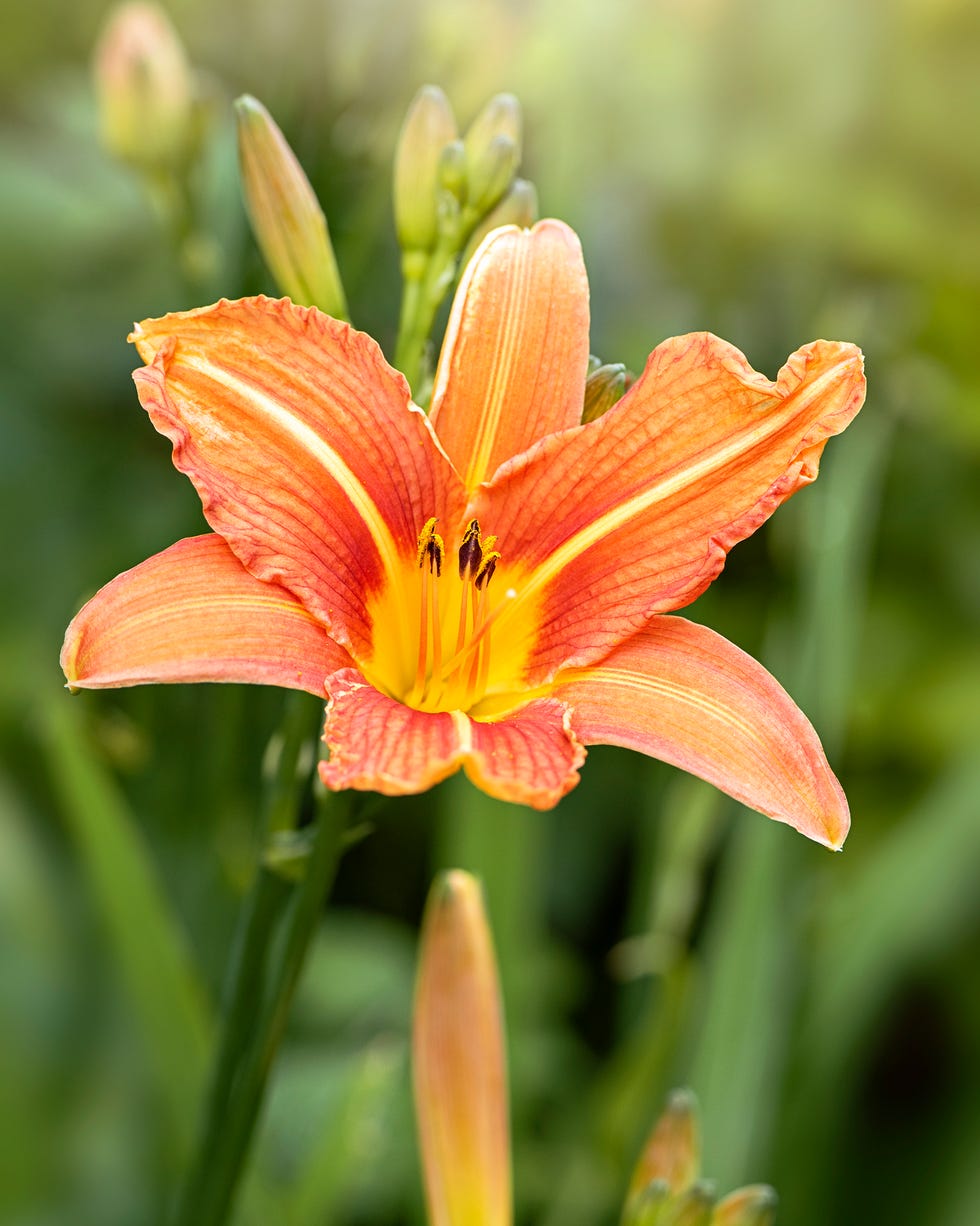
(470, 551)
(485, 573)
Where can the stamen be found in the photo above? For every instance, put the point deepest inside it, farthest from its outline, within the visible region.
(428, 531)
(481, 682)
(485, 573)
(470, 551)
(431, 547)
(420, 670)
(479, 632)
(431, 552)
(461, 680)
(436, 626)
(464, 605)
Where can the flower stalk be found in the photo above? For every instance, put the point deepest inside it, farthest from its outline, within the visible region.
(278, 924)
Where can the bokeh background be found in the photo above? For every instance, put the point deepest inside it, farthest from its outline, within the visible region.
(770, 171)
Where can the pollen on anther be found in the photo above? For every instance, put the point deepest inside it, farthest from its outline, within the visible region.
(470, 551)
(431, 548)
(485, 573)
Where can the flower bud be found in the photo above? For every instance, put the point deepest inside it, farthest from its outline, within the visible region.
(145, 88)
(490, 178)
(493, 152)
(690, 1208)
(286, 217)
(750, 1206)
(452, 169)
(518, 208)
(603, 387)
(646, 1208)
(458, 1061)
(428, 127)
(673, 1150)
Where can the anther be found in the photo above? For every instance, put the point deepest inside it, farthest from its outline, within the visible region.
(485, 573)
(431, 548)
(470, 551)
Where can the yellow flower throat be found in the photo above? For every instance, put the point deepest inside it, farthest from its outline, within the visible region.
(458, 682)
(454, 664)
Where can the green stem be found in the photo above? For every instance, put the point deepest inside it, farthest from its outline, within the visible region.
(246, 986)
(256, 1021)
(425, 287)
(411, 337)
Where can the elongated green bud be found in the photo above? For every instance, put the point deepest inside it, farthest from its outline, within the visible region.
(490, 178)
(501, 117)
(493, 152)
(690, 1208)
(428, 128)
(286, 217)
(646, 1207)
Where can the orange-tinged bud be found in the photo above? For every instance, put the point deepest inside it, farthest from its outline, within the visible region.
(428, 128)
(145, 88)
(286, 217)
(751, 1206)
(673, 1150)
(458, 1062)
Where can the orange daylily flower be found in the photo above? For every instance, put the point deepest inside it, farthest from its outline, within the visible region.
(487, 587)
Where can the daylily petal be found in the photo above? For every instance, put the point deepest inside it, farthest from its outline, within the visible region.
(193, 613)
(679, 692)
(513, 363)
(634, 513)
(378, 744)
(299, 439)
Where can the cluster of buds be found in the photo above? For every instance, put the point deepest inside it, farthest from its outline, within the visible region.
(450, 191)
(459, 1070)
(666, 1189)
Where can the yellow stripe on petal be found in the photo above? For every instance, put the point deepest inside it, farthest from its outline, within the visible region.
(307, 454)
(310, 441)
(513, 362)
(633, 514)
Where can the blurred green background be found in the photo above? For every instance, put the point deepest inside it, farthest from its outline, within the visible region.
(772, 172)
